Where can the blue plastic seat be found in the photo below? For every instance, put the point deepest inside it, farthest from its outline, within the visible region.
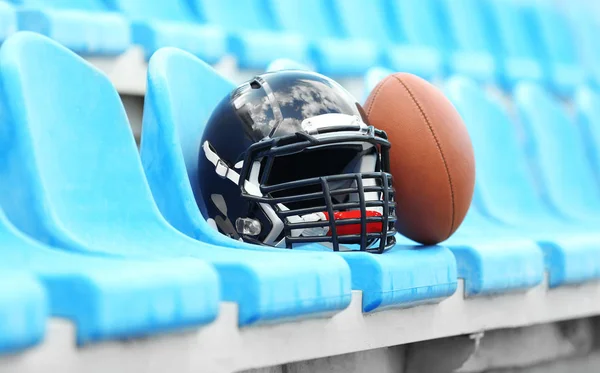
(253, 35)
(467, 38)
(8, 20)
(84, 26)
(332, 54)
(490, 259)
(79, 184)
(109, 298)
(507, 191)
(182, 92)
(493, 259)
(557, 149)
(372, 77)
(158, 24)
(512, 42)
(286, 64)
(374, 21)
(586, 28)
(587, 103)
(555, 46)
(23, 311)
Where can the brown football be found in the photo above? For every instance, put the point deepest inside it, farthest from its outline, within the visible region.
(431, 158)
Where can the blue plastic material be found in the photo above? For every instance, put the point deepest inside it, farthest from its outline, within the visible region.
(89, 5)
(254, 38)
(23, 312)
(558, 150)
(8, 20)
(555, 46)
(83, 26)
(286, 64)
(586, 30)
(507, 189)
(158, 24)
(587, 103)
(372, 77)
(492, 259)
(406, 275)
(109, 298)
(468, 38)
(331, 52)
(182, 92)
(512, 42)
(73, 178)
(400, 53)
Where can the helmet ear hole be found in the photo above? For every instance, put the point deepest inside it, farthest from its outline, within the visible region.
(254, 84)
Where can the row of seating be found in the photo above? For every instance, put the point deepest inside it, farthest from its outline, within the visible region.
(116, 241)
(491, 41)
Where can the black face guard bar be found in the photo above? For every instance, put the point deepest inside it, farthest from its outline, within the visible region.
(269, 149)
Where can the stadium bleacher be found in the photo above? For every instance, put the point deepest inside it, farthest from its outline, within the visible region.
(158, 24)
(106, 262)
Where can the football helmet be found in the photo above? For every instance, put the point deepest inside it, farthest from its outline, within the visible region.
(287, 158)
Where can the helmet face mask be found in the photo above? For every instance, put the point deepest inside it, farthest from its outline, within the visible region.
(320, 178)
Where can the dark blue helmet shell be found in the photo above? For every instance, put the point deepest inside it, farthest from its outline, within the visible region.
(262, 119)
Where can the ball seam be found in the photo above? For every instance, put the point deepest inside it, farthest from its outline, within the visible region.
(438, 145)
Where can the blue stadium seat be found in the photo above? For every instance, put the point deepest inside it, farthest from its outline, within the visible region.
(468, 39)
(157, 24)
(555, 46)
(8, 20)
(286, 64)
(84, 26)
(358, 22)
(332, 54)
(493, 259)
(512, 42)
(372, 77)
(77, 182)
(109, 298)
(23, 311)
(507, 193)
(557, 149)
(182, 92)
(587, 103)
(253, 35)
(586, 28)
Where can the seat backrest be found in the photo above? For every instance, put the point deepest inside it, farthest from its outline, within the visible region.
(586, 28)
(509, 18)
(557, 151)
(51, 149)
(93, 5)
(504, 186)
(182, 93)
(418, 22)
(286, 64)
(235, 15)
(468, 28)
(313, 18)
(8, 20)
(364, 19)
(554, 36)
(373, 76)
(587, 103)
(170, 10)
